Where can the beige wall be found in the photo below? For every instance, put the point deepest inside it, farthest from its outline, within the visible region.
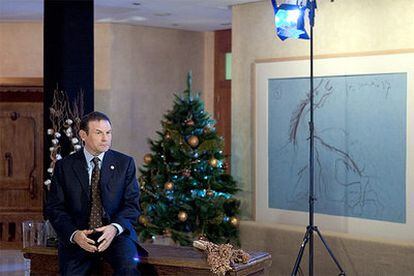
(103, 41)
(351, 26)
(208, 87)
(21, 50)
(141, 70)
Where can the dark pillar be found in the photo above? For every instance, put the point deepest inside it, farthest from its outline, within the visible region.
(68, 55)
(68, 49)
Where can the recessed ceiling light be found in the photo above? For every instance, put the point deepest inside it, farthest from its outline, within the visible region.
(226, 24)
(107, 19)
(224, 7)
(137, 18)
(162, 14)
(175, 24)
(136, 3)
(131, 19)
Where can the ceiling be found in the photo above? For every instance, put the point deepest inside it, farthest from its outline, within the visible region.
(193, 15)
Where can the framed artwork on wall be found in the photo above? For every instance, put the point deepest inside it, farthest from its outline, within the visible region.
(363, 114)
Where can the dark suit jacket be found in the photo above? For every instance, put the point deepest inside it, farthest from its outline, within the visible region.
(68, 205)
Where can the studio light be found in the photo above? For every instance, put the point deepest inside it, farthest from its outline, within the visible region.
(290, 21)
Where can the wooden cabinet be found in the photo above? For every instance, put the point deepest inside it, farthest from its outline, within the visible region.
(21, 158)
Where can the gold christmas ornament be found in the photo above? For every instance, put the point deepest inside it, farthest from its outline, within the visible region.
(234, 221)
(182, 216)
(210, 193)
(213, 162)
(143, 220)
(193, 141)
(147, 158)
(168, 185)
(167, 136)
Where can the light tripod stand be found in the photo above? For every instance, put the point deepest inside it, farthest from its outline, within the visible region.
(311, 228)
(289, 20)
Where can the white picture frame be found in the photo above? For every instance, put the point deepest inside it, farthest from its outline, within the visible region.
(374, 63)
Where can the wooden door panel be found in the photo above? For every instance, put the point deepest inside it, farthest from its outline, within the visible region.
(17, 150)
(222, 89)
(21, 156)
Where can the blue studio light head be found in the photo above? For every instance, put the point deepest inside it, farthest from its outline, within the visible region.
(289, 21)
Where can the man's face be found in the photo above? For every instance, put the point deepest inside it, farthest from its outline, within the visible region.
(99, 137)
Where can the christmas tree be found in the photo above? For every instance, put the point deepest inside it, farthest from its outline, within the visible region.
(186, 193)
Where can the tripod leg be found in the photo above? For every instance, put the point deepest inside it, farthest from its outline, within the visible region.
(342, 272)
(301, 250)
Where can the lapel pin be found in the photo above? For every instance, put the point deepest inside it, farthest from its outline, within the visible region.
(112, 167)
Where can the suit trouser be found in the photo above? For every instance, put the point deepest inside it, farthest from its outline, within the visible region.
(122, 255)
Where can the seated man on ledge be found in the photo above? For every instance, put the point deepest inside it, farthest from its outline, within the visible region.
(93, 204)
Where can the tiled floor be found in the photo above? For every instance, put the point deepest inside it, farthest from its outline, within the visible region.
(12, 263)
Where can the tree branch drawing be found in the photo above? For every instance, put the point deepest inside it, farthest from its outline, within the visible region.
(361, 192)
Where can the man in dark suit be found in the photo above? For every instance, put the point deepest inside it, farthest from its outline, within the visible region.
(93, 204)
